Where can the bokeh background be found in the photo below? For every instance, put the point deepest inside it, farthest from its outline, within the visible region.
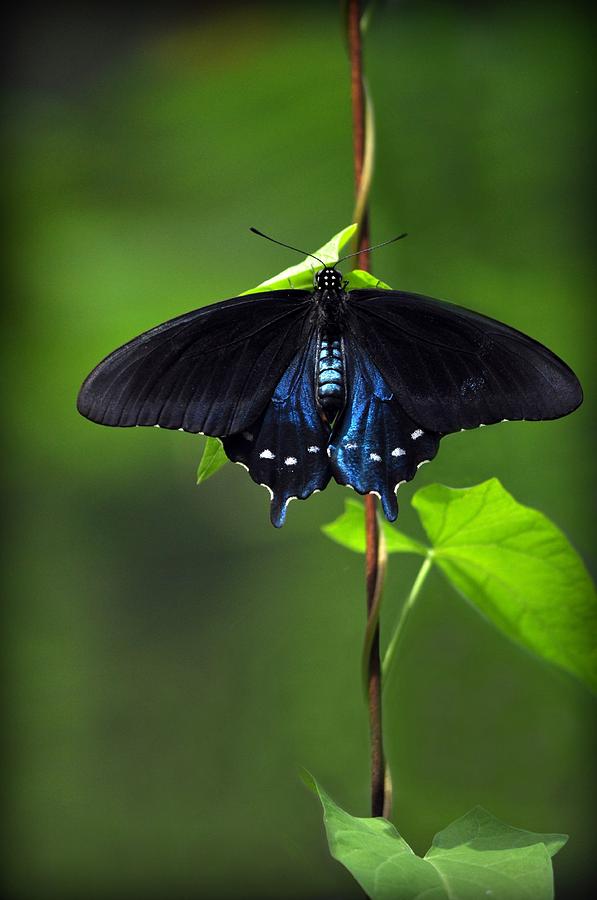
(172, 660)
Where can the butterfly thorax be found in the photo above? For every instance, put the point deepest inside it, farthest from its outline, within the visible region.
(331, 297)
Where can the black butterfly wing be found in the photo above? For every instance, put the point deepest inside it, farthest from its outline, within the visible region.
(285, 450)
(452, 368)
(375, 445)
(212, 370)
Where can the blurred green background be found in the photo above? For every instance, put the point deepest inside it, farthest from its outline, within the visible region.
(172, 659)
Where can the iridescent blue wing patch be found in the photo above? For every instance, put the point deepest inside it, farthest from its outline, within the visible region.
(375, 446)
(285, 450)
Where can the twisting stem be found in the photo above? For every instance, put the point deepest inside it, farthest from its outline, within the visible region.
(375, 556)
(357, 87)
(374, 683)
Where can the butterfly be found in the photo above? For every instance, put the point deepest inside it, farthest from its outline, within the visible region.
(304, 385)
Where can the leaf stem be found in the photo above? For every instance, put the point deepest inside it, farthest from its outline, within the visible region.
(392, 647)
(375, 559)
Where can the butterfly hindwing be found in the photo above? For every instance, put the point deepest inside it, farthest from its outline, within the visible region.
(285, 450)
(453, 368)
(375, 445)
(212, 370)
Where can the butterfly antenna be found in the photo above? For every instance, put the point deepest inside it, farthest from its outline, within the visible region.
(375, 247)
(288, 246)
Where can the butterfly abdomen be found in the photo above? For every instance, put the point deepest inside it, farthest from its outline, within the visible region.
(330, 375)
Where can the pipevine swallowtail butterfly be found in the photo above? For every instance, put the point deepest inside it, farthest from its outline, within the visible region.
(305, 385)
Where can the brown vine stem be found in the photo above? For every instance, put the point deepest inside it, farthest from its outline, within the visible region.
(375, 549)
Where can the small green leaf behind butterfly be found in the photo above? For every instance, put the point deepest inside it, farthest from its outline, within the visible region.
(301, 275)
(358, 278)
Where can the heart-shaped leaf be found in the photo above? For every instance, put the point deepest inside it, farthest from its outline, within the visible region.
(517, 568)
(476, 856)
(509, 561)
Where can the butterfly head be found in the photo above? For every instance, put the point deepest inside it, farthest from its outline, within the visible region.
(328, 279)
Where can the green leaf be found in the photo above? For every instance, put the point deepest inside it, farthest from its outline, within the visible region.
(480, 856)
(213, 459)
(361, 279)
(476, 856)
(517, 568)
(377, 856)
(511, 562)
(481, 831)
(348, 530)
(301, 275)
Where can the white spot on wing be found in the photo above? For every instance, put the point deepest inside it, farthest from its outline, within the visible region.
(417, 434)
(329, 451)
(351, 446)
(267, 454)
(313, 449)
(290, 461)
(398, 451)
(376, 458)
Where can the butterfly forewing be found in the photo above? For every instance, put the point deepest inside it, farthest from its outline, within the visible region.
(212, 370)
(452, 368)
